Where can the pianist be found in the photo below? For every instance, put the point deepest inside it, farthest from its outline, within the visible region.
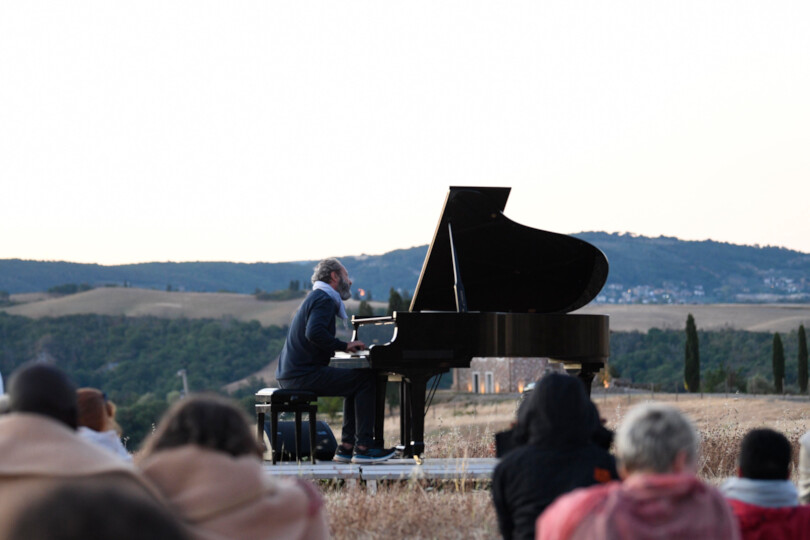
(304, 362)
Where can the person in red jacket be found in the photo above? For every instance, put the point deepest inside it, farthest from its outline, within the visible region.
(762, 497)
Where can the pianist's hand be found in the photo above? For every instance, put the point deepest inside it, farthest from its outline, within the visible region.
(354, 346)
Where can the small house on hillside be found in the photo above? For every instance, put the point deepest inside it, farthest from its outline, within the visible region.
(501, 375)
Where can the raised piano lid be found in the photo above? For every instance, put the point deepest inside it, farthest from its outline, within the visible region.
(505, 266)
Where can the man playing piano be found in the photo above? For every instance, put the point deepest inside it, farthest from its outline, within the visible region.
(304, 362)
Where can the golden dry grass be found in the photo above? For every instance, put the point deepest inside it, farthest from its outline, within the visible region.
(751, 317)
(465, 427)
(405, 510)
(134, 302)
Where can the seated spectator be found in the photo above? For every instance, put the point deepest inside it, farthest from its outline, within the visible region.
(660, 497)
(804, 468)
(204, 458)
(558, 423)
(73, 512)
(39, 447)
(97, 421)
(762, 497)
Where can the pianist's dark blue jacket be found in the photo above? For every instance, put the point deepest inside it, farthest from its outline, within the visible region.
(311, 341)
(557, 425)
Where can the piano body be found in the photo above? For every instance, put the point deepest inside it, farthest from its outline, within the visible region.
(489, 287)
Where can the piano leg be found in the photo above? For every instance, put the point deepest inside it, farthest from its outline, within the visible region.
(379, 409)
(404, 415)
(416, 413)
(586, 374)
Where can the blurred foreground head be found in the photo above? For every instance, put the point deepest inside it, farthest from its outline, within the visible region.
(208, 421)
(765, 454)
(657, 438)
(43, 389)
(557, 413)
(80, 512)
(95, 411)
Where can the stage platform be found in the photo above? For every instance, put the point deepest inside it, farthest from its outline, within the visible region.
(393, 469)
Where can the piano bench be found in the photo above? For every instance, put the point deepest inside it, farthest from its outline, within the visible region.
(281, 400)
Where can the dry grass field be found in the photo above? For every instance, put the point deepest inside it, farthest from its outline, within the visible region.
(751, 317)
(464, 426)
(136, 302)
(141, 302)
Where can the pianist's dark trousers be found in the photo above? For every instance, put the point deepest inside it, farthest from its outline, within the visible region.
(356, 386)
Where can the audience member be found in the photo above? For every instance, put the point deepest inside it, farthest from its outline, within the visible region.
(762, 497)
(40, 448)
(205, 460)
(73, 512)
(97, 421)
(804, 468)
(660, 497)
(557, 423)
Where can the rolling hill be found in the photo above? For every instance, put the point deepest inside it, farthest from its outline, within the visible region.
(642, 270)
(172, 305)
(631, 317)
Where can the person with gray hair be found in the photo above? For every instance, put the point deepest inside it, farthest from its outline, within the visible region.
(304, 362)
(660, 495)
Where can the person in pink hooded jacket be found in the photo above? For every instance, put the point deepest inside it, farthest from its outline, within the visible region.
(660, 496)
(204, 459)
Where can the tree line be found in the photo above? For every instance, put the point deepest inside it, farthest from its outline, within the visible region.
(136, 360)
(739, 361)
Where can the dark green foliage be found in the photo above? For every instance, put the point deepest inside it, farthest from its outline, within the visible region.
(691, 366)
(69, 288)
(802, 360)
(657, 356)
(778, 363)
(283, 294)
(136, 360)
(365, 309)
(395, 302)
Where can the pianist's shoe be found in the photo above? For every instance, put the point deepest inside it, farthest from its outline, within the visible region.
(343, 455)
(372, 455)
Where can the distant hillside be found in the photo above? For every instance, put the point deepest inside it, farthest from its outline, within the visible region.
(662, 269)
(642, 270)
(376, 273)
(131, 302)
(242, 307)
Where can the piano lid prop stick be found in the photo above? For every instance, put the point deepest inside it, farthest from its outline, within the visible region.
(458, 286)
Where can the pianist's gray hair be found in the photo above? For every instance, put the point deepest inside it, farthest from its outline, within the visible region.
(324, 269)
(651, 436)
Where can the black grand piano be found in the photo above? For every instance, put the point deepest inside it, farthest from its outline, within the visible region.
(489, 287)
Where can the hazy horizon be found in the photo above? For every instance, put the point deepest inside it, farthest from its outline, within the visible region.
(374, 254)
(205, 131)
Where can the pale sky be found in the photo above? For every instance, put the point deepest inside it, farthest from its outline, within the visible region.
(273, 131)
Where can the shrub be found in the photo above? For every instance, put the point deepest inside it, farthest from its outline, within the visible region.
(757, 384)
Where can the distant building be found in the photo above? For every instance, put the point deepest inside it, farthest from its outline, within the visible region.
(501, 375)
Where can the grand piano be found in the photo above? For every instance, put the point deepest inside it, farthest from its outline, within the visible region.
(489, 287)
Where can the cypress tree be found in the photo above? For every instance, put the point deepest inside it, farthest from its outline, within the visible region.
(778, 363)
(802, 360)
(365, 309)
(394, 302)
(691, 366)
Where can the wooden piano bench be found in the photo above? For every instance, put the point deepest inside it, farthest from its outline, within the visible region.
(281, 400)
